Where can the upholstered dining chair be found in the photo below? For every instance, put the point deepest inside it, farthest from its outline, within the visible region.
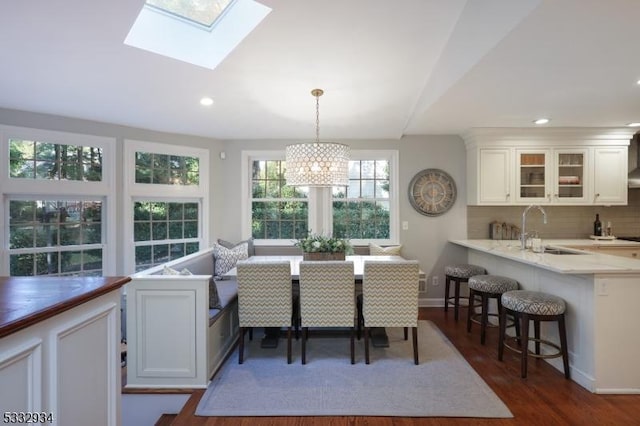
(390, 298)
(327, 298)
(264, 298)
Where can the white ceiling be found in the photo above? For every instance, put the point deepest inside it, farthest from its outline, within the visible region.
(388, 69)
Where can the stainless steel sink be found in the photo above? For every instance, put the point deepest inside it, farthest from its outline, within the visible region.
(558, 250)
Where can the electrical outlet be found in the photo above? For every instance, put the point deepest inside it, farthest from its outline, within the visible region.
(603, 288)
(405, 225)
(435, 281)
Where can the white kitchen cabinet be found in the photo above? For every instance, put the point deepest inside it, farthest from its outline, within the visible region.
(494, 183)
(551, 167)
(610, 175)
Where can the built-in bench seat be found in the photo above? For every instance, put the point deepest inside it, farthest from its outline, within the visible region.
(174, 339)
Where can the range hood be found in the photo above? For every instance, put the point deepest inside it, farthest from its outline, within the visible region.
(634, 175)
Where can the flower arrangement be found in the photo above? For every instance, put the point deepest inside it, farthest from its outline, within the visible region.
(315, 243)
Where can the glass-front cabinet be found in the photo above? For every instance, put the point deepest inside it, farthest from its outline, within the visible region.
(532, 179)
(570, 177)
(550, 176)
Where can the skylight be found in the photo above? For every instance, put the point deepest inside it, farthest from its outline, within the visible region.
(200, 32)
(203, 12)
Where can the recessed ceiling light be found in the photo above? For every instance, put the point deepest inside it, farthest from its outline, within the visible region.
(638, 82)
(634, 124)
(206, 101)
(541, 121)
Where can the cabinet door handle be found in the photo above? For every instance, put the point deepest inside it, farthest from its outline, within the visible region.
(634, 254)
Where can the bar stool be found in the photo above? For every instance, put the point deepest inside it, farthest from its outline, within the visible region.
(487, 287)
(458, 274)
(535, 306)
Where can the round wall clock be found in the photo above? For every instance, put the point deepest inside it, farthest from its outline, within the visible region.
(432, 192)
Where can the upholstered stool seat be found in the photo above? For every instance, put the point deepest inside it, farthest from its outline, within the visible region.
(534, 306)
(458, 274)
(533, 302)
(487, 287)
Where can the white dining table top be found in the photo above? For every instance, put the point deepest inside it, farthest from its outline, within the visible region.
(358, 264)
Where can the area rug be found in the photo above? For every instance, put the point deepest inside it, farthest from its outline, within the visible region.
(443, 385)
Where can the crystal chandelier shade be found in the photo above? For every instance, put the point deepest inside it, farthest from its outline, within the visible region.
(317, 163)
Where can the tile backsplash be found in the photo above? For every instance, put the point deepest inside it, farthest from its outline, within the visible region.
(562, 221)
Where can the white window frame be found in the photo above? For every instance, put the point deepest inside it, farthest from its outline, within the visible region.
(320, 199)
(158, 192)
(35, 189)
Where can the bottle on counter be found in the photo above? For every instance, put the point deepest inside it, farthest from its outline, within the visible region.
(609, 232)
(597, 226)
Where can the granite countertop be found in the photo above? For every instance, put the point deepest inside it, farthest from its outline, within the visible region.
(585, 263)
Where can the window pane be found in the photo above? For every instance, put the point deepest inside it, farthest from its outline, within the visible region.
(366, 214)
(176, 251)
(141, 231)
(168, 237)
(175, 230)
(160, 254)
(192, 247)
(21, 265)
(163, 169)
(55, 225)
(49, 161)
(285, 216)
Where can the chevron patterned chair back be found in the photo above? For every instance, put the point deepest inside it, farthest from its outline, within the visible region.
(327, 298)
(264, 298)
(390, 298)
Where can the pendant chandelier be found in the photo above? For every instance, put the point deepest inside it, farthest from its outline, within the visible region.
(317, 163)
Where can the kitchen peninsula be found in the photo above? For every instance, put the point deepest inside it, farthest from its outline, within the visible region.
(601, 292)
(60, 349)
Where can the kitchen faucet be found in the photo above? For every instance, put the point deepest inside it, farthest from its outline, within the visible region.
(523, 234)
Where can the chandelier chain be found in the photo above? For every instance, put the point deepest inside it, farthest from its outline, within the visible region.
(317, 117)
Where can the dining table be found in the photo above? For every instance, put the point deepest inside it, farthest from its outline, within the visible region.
(378, 335)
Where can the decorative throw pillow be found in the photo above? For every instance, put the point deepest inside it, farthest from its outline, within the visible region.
(166, 270)
(376, 250)
(214, 300)
(251, 251)
(225, 259)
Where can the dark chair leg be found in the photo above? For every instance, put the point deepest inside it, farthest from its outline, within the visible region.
(241, 346)
(305, 336)
(447, 284)
(289, 345)
(352, 346)
(414, 332)
(359, 317)
(366, 344)
(456, 299)
(250, 333)
(503, 330)
(470, 309)
(563, 346)
(524, 345)
(484, 318)
(406, 333)
(536, 333)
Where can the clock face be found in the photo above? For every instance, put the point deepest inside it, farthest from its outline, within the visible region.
(432, 192)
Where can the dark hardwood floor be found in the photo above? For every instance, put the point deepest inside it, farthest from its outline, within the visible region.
(544, 398)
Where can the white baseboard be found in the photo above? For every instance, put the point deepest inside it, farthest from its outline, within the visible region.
(431, 303)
